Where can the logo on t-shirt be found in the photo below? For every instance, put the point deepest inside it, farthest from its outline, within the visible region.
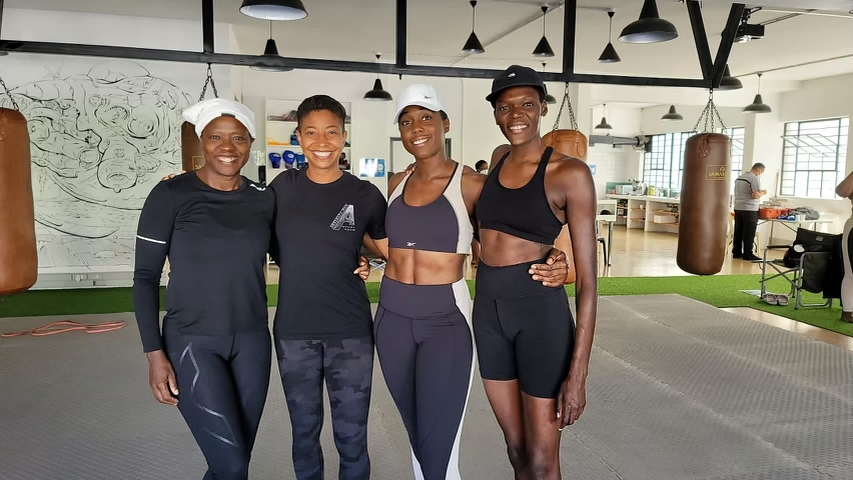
(345, 219)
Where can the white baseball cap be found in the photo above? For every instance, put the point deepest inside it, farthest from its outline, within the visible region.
(206, 111)
(419, 94)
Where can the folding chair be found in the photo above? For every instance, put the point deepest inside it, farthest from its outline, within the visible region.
(808, 272)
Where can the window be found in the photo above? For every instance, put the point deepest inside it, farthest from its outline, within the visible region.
(814, 157)
(662, 166)
(738, 136)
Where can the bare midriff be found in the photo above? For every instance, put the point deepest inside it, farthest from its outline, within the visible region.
(501, 249)
(419, 267)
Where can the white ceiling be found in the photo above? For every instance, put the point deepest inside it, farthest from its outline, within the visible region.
(511, 28)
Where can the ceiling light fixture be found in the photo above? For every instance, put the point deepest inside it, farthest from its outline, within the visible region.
(473, 44)
(650, 28)
(274, 9)
(609, 54)
(378, 94)
(672, 115)
(543, 48)
(757, 105)
(603, 125)
(270, 52)
(729, 82)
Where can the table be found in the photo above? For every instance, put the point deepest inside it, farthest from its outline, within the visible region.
(791, 224)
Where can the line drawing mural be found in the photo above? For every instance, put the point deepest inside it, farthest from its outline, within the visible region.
(99, 142)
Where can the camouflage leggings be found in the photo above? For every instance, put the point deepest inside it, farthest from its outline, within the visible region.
(347, 367)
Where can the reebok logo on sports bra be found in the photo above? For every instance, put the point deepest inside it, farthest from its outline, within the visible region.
(345, 219)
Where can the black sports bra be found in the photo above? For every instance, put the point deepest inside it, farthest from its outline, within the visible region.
(523, 212)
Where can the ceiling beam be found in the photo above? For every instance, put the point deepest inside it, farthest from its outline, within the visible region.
(701, 38)
(402, 32)
(134, 53)
(207, 26)
(735, 15)
(570, 16)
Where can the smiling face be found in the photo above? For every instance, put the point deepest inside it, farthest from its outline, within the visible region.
(322, 137)
(226, 144)
(422, 131)
(517, 112)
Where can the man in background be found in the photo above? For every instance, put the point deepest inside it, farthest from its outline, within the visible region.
(748, 193)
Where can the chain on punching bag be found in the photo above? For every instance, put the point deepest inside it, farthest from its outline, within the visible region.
(705, 197)
(572, 143)
(18, 251)
(192, 152)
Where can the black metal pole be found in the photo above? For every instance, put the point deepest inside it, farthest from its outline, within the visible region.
(726, 43)
(402, 32)
(207, 26)
(570, 17)
(701, 38)
(134, 53)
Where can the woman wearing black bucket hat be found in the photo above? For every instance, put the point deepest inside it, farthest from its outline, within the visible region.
(533, 359)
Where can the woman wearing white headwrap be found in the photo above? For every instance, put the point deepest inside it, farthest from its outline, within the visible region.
(214, 226)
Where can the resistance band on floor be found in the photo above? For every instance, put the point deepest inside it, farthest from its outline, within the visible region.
(67, 326)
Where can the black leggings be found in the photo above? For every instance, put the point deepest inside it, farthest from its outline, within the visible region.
(426, 351)
(223, 383)
(347, 367)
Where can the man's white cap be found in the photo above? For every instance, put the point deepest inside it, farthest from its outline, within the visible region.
(419, 94)
(207, 111)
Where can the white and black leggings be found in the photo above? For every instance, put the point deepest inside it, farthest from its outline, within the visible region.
(426, 351)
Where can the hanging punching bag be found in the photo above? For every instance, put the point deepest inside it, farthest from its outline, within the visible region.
(704, 204)
(572, 143)
(193, 153)
(18, 251)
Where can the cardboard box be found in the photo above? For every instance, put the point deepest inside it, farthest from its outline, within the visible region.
(665, 219)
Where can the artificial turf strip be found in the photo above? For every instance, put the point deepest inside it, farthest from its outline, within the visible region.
(717, 290)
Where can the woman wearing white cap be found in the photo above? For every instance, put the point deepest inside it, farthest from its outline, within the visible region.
(422, 326)
(213, 224)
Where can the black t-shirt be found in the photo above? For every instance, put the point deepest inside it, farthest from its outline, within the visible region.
(319, 230)
(217, 243)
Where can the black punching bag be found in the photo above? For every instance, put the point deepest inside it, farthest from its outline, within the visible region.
(704, 204)
(192, 152)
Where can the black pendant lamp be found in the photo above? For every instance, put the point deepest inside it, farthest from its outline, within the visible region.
(609, 54)
(729, 82)
(270, 52)
(549, 99)
(274, 9)
(473, 44)
(758, 105)
(650, 28)
(543, 48)
(603, 125)
(672, 115)
(378, 94)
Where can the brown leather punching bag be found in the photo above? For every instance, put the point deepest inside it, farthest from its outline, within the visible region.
(18, 251)
(193, 153)
(704, 204)
(574, 144)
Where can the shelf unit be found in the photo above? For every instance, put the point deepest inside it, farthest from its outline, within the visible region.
(280, 122)
(640, 211)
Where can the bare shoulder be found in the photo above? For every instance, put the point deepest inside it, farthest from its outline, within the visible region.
(472, 178)
(497, 153)
(394, 181)
(564, 165)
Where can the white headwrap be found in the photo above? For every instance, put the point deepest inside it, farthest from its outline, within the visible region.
(207, 111)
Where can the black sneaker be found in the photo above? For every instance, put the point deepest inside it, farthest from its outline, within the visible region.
(751, 258)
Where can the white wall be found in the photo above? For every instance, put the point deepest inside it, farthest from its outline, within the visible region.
(102, 133)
